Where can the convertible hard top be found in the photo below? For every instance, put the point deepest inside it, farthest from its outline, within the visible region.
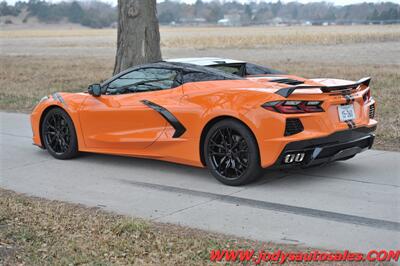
(236, 67)
(205, 61)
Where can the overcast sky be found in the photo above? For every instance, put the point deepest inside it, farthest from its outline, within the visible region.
(336, 2)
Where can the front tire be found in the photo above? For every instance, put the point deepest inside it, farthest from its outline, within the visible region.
(58, 134)
(231, 153)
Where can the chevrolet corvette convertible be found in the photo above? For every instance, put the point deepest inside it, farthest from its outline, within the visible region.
(234, 122)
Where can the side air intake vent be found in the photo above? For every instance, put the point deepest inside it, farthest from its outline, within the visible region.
(372, 111)
(293, 126)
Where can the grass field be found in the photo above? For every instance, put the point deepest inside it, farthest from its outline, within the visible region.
(37, 62)
(236, 37)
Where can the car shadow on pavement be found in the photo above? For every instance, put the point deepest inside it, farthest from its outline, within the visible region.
(150, 166)
(143, 164)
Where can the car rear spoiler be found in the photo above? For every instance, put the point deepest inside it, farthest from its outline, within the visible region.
(286, 92)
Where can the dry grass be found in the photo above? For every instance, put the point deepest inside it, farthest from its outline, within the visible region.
(56, 33)
(235, 37)
(257, 37)
(24, 80)
(41, 232)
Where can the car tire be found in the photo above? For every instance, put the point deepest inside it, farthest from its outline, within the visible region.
(231, 153)
(59, 135)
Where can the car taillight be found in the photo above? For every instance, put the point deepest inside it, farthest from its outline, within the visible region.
(294, 107)
(367, 96)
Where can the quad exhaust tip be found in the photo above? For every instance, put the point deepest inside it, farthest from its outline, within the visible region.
(294, 157)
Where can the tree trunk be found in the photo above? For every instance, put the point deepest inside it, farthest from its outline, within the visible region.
(138, 40)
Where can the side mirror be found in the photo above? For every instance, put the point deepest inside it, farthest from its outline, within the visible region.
(94, 90)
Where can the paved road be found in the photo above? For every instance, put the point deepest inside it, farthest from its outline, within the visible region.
(348, 205)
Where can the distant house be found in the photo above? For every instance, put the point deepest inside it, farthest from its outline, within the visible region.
(233, 19)
(224, 22)
(277, 21)
(193, 21)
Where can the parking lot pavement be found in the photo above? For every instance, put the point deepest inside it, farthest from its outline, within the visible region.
(346, 205)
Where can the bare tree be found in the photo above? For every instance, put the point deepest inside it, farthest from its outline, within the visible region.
(138, 40)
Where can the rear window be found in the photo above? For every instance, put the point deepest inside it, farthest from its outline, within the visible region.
(201, 76)
(194, 73)
(235, 70)
(252, 69)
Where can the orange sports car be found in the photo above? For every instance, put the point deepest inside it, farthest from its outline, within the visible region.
(233, 117)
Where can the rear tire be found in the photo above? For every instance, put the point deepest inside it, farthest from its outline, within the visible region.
(58, 134)
(231, 153)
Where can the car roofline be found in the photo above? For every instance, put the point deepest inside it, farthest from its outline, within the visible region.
(205, 61)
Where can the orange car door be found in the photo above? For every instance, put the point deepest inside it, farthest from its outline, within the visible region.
(123, 122)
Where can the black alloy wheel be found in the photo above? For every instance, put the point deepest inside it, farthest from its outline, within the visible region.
(232, 153)
(58, 134)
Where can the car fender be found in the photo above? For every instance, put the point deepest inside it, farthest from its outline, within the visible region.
(69, 102)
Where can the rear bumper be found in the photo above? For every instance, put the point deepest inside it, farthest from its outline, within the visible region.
(337, 146)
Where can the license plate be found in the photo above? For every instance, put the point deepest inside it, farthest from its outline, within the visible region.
(346, 112)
